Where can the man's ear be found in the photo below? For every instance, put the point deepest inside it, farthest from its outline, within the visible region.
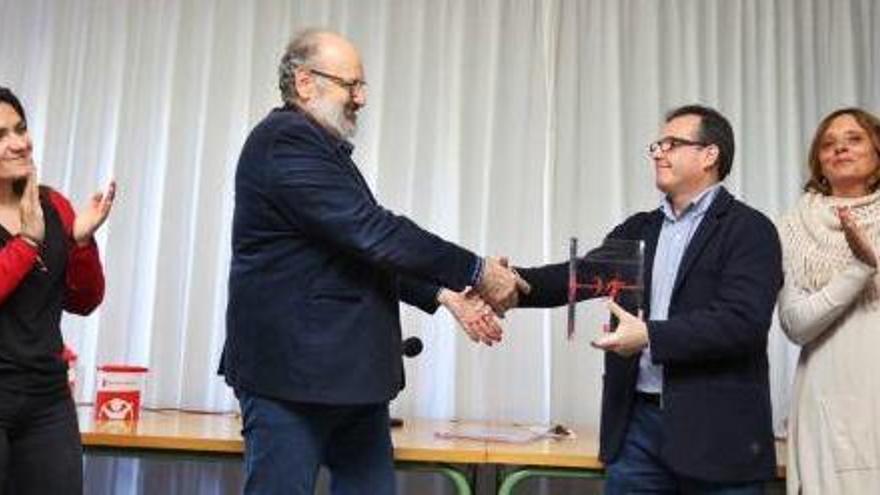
(303, 84)
(713, 155)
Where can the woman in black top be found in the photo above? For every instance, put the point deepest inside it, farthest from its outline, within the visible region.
(48, 263)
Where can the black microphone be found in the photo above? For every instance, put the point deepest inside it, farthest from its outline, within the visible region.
(411, 347)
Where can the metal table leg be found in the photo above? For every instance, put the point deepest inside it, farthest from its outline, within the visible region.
(458, 478)
(513, 478)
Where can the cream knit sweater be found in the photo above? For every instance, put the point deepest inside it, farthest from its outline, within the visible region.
(829, 305)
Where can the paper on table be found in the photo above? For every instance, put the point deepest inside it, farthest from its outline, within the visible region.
(505, 434)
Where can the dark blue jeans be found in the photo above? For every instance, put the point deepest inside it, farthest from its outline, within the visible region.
(639, 469)
(286, 443)
(40, 450)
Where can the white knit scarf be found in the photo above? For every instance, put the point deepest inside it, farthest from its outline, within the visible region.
(813, 243)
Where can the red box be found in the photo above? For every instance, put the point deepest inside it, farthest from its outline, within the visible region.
(118, 392)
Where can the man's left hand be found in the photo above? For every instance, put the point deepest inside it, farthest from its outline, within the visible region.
(473, 315)
(630, 337)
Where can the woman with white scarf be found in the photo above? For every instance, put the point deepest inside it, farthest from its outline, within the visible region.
(830, 306)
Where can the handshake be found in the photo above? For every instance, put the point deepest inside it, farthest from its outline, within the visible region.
(477, 309)
(500, 286)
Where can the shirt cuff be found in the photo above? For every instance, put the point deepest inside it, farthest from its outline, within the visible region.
(477, 273)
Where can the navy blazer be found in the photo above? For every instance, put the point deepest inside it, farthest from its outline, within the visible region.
(318, 269)
(713, 346)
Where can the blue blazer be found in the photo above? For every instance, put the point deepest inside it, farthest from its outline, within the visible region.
(318, 269)
(716, 396)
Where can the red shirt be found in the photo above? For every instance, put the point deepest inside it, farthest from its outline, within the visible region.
(36, 284)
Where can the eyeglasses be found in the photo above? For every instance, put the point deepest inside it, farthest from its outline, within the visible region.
(668, 144)
(352, 85)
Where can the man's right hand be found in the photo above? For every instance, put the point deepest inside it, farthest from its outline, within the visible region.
(500, 285)
(33, 226)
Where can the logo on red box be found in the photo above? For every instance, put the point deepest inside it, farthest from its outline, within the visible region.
(118, 404)
(118, 392)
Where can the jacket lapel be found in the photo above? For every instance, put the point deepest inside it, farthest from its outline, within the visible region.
(349, 164)
(703, 235)
(342, 150)
(651, 236)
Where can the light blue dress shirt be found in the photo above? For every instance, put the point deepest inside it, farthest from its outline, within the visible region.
(675, 235)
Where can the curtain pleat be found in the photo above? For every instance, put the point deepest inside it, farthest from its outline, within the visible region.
(505, 126)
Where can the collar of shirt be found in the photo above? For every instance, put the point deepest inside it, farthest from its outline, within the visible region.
(698, 206)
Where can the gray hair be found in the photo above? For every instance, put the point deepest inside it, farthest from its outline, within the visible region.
(303, 49)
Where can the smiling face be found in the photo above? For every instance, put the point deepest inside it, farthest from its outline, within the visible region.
(685, 169)
(16, 149)
(848, 157)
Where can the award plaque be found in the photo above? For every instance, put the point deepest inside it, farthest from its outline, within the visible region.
(613, 270)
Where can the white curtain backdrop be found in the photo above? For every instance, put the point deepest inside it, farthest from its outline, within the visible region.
(505, 126)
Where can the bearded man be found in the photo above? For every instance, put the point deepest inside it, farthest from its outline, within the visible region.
(313, 347)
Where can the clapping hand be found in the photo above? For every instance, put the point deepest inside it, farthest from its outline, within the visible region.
(93, 215)
(33, 226)
(858, 242)
(474, 316)
(630, 337)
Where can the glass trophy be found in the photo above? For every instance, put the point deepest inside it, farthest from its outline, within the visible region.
(613, 270)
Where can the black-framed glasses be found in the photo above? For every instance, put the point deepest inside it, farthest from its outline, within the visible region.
(352, 85)
(668, 144)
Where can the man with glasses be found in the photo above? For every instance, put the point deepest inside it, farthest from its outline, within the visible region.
(686, 398)
(313, 347)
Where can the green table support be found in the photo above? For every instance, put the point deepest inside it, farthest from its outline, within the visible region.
(511, 479)
(456, 475)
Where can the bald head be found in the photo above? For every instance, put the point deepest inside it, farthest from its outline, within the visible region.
(321, 74)
(316, 49)
(334, 50)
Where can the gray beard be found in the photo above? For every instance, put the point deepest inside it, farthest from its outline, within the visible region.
(334, 117)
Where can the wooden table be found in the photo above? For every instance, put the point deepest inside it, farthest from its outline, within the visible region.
(416, 446)
(205, 434)
(576, 457)
(169, 431)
